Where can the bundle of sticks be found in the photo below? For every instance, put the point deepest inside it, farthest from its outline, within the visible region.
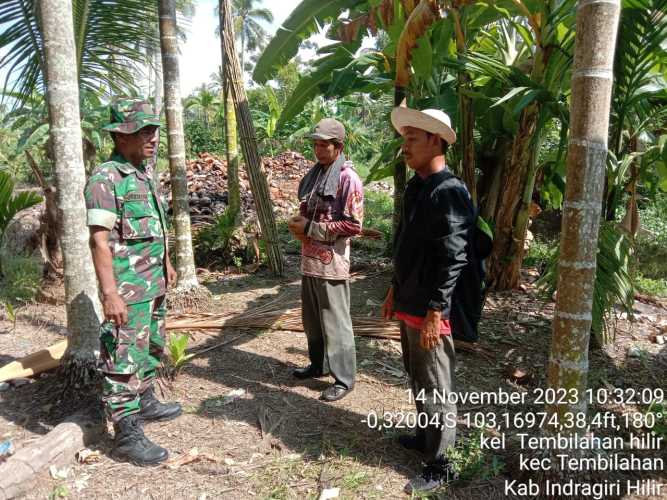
(272, 317)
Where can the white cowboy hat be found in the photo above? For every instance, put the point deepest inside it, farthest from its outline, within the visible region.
(431, 120)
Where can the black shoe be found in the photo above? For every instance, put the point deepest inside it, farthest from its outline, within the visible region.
(432, 477)
(131, 445)
(152, 409)
(308, 372)
(410, 442)
(334, 393)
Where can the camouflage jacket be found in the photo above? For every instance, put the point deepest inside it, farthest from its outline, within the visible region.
(124, 199)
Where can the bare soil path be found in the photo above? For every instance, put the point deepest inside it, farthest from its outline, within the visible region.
(275, 439)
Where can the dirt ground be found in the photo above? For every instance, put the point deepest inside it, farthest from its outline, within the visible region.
(277, 440)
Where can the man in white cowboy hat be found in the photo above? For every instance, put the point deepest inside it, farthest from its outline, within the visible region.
(431, 255)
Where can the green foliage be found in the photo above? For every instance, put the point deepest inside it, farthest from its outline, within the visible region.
(21, 279)
(222, 243)
(176, 350)
(310, 85)
(11, 312)
(613, 281)
(650, 265)
(11, 204)
(202, 139)
(109, 36)
(650, 286)
(378, 210)
(539, 254)
(304, 21)
(470, 460)
(659, 413)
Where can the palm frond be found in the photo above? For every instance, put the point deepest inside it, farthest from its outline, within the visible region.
(613, 283)
(111, 38)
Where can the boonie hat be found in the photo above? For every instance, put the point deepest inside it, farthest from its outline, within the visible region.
(131, 115)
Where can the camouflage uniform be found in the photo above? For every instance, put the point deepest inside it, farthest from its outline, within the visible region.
(124, 199)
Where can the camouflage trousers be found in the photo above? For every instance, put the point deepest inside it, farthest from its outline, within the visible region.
(130, 355)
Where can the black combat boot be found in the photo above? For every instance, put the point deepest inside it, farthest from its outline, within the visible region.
(131, 445)
(152, 409)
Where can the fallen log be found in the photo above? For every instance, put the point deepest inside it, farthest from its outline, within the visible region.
(34, 363)
(58, 448)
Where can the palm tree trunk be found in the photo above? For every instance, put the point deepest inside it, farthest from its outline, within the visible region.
(188, 292)
(83, 306)
(467, 114)
(231, 136)
(597, 24)
(50, 224)
(400, 174)
(258, 184)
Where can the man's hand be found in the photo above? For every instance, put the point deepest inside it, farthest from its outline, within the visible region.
(297, 226)
(114, 309)
(172, 275)
(430, 333)
(388, 306)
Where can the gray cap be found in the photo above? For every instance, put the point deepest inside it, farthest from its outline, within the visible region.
(329, 129)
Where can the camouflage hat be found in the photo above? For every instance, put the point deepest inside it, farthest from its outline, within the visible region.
(130, 115)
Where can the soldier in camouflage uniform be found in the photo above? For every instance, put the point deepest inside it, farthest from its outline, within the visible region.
(128, 230)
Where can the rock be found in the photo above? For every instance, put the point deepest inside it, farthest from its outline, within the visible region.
(634, 352)
(23, 233)
(4, 386)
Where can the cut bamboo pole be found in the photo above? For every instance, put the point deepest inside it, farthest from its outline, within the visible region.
(253, 162)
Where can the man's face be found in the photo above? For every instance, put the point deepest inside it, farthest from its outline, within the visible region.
(418, 147)
(142, 143)
(326, 152)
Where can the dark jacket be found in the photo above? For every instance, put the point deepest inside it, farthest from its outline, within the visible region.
(435, 267)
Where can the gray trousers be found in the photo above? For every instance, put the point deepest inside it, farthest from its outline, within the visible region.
(325, 312)
(431, 375)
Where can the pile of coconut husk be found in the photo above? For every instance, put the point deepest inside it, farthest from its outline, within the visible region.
(208, 185)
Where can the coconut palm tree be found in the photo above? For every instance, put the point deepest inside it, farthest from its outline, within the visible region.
(597, 23)
(110, 42)
(205, 102)
(83, 307)
(188, 292)
(249, 32)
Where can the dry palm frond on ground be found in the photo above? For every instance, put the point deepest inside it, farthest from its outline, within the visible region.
(271, 317)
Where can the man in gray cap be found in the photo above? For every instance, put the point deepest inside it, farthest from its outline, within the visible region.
(331, 212)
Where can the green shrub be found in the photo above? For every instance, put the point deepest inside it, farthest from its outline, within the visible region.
(21, 279)
(539, 253)
(378, 212)
(202, 139)
(471, 462)
(650, 286)
(222, 243)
